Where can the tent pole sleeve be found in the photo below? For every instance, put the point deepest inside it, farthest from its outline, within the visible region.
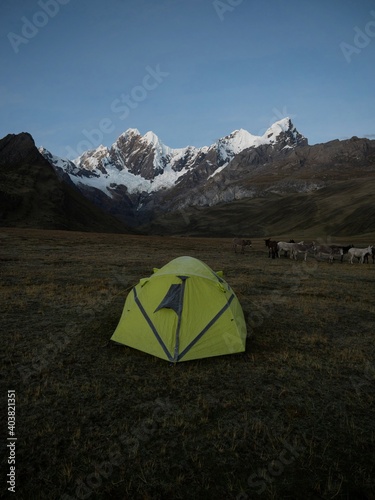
(177, 344)
(207, 327)
(152, 326)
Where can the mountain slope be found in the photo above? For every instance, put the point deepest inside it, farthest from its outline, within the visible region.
(31, 195)
(322, 213)
(138, 173)
(145, 164)
(273, 184)
(325, 189)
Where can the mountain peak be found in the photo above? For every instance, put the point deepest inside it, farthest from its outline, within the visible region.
(281, 134)
(280, 126)
(129, 133)
(151, 138)
(14, 148)
(232, 144)
(284, 131)
(143, 164)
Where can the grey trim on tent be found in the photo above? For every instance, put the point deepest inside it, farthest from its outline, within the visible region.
(220, 280)
(207, 327)
(171, 294)
(177, 344)
(151, 325)
(174, 299)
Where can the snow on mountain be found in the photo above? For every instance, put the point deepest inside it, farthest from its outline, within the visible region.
(90, 159)
(161, 151)
(286, 128)
(239, 140)
(61, 164)
(236, 142)
(145, 164)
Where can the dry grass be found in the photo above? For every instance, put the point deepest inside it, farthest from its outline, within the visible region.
(292, 418)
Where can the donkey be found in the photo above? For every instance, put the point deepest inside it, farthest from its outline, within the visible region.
(273, 249)
(241, 243)
(286, 247)
(359, 252)
(301, 248)
(330, 250)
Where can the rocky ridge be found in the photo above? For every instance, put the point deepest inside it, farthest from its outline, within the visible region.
(139, 174)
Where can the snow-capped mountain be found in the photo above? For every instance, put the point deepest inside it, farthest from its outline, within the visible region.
(241, 185)
(138, 171)
(143, 164)
(239, 140)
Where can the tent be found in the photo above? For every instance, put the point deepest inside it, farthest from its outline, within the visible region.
(183, 311)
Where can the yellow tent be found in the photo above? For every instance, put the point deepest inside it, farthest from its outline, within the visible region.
(183, 311)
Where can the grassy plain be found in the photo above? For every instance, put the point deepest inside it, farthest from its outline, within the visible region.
(292, 418)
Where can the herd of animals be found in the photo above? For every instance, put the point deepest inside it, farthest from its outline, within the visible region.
(275, 248)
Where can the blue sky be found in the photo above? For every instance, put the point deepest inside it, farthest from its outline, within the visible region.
(77, 73)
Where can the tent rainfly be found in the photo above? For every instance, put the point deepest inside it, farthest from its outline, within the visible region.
(183, 311)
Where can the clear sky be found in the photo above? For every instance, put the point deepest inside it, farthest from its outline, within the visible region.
(78, 73)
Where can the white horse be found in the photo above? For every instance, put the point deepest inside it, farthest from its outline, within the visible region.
(359, 252)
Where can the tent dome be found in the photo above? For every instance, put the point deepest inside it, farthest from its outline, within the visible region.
(183, 311)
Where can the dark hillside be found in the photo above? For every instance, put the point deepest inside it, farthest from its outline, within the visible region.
(32, 196)
(326, 189)
(345, 208)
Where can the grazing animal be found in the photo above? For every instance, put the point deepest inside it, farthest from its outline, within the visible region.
(272, 248)
(366, 256)
(286, 247)
(237, 242)
(359, 252)
(339, 251)
(345, 249)
(330, 250)
(301, 248)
